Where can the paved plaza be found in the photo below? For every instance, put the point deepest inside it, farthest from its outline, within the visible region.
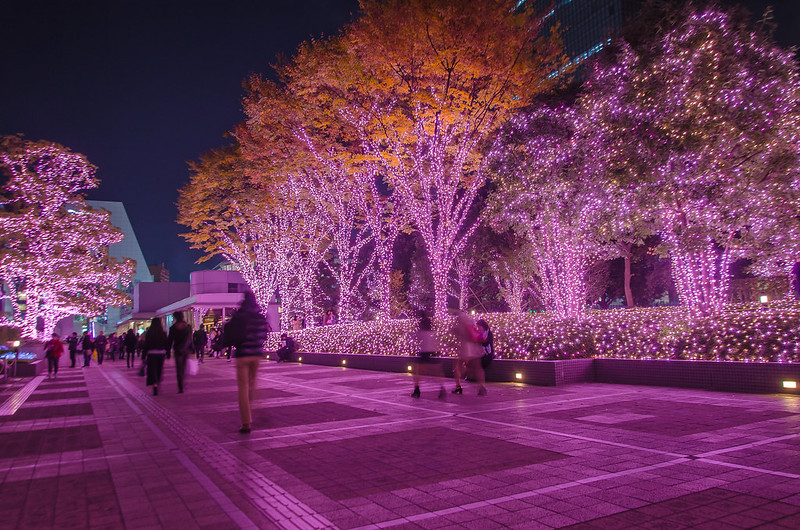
(343, 448)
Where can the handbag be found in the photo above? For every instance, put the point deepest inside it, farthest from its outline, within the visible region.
(192, 366)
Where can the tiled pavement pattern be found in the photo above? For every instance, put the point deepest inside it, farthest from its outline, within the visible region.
(335, 447)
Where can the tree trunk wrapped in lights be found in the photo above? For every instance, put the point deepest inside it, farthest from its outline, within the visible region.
(386, 220)
(548, 196)
(700, 126)
(261, 223)
(344, 194)
(463, 277)
(513, 276)
(54, 258)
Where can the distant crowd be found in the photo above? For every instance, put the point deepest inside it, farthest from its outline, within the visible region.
(243, 338)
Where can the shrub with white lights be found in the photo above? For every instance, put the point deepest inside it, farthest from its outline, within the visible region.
(754, 333)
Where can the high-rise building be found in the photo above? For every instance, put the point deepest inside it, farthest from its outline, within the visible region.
(160, 272)
(587, 25)
(127, 248)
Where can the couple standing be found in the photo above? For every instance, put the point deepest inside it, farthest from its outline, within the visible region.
(158, 346)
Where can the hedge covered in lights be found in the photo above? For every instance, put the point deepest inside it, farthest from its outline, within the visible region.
(764, 333)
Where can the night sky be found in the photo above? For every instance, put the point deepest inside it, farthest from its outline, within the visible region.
(142, 87)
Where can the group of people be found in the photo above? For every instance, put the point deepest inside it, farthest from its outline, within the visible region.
(124, 345)
(158, 346)
(475, 353)
(246, 333)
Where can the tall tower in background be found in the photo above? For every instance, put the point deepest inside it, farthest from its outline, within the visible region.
(587, 26)
(127, 248)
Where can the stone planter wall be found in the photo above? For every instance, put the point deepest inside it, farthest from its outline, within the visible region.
(707, 375)
(764, 378)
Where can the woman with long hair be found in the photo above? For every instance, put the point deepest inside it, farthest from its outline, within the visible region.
(427, 347)
(155, 350)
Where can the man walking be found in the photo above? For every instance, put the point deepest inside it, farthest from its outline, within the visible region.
(100, 345)
(87, 344)
(130, 347)
(199, 341)
(72, 343)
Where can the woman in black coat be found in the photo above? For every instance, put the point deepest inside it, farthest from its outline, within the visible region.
(155, 350)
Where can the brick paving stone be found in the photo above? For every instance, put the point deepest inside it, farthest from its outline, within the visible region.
(43, 441)
(427, 455)
(349, 448)
(52, 411)
(58, 396)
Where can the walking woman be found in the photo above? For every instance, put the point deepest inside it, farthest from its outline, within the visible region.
(53, 349)
(155, 350)
(470, 352)
(247, 331)
(425, 364)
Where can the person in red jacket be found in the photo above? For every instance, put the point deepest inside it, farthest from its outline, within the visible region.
(53, 349)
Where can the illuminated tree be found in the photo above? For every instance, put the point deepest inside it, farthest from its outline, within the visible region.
(513, 271)
(700, 130)
(54, 258)
(257, 221)
(386, 219)
(304, 245)
(426, 83)
(462, 272)
(325, 154)
(548, 195)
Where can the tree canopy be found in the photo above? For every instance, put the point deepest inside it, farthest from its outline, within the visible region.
(54, 258)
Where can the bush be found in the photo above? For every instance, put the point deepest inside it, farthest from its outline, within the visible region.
(762, 333)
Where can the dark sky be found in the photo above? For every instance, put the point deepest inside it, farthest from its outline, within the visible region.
(143, 87)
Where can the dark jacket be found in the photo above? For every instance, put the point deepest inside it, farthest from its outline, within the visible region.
(72, 342)
(247, 329)
(200, 338)
(288, 345)
(180, 338)
(154, 340)
(87, 343)
(130, 340)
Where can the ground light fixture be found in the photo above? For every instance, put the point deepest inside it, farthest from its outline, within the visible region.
(410, 368)
(764, 299)
(790, 384)
(344, 361)
(518, 376)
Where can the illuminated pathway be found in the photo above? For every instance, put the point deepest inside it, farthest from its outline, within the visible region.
(335, 447)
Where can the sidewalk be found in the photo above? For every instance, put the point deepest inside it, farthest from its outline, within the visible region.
(343, 448)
